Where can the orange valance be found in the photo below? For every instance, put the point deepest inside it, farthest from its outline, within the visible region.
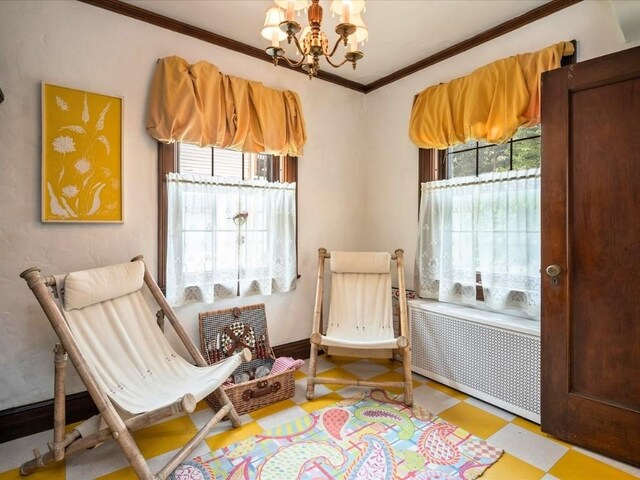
(200, 105)
(489, 104)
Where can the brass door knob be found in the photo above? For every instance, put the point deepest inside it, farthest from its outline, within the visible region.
(553, 270)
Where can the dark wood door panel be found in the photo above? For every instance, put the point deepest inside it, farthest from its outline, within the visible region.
(606, 70)
(555, 299)
(604, 259)
(591, 229)
(589, 419)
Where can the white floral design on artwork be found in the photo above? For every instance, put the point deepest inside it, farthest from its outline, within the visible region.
(64, 144)
(73, 128)
(100, 123)
(70, 191)
(82, 165)
(68, 199)
(105, 142)
(62, 105)
(54, 204)
(85, 110)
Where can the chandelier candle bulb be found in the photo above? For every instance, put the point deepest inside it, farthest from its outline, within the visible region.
(346, 7)
(289, 11)
(355, 6)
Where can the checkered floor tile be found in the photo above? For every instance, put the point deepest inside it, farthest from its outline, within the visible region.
(529, 453)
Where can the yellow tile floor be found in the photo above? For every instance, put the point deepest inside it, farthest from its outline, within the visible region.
(529, 453)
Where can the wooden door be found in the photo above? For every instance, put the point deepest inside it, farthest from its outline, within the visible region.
(591, 231)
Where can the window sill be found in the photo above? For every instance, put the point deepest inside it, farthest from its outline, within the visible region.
(485, 317)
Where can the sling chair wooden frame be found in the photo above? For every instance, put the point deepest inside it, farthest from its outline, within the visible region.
(403, 342)
(65, 444)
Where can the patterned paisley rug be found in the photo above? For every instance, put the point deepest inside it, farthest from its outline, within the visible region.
(367, 437)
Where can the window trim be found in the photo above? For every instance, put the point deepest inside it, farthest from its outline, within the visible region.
(432, 165)
(168, 163)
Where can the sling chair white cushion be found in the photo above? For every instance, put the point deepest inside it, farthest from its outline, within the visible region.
(122, 343)
(360, 314)
(85, 288)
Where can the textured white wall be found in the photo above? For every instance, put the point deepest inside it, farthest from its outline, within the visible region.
(76, 45)
(348, 199)
(392, 159)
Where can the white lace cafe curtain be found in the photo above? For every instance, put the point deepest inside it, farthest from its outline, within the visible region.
(489, 225)
(228, 237)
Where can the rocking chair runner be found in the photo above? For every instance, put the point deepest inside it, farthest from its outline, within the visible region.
(131, 372)
(360, 322)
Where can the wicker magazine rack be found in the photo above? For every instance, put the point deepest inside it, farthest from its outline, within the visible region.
(222, 332)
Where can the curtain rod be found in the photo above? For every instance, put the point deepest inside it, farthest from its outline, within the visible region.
(490, 178)
(179, 178)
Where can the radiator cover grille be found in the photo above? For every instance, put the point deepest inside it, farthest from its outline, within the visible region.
(497, 365)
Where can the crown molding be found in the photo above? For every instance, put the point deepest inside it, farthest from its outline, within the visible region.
(169, 23)
(162, 21)
(510, 25)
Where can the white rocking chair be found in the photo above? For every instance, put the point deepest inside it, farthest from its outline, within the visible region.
(133, 375)
(360, 322)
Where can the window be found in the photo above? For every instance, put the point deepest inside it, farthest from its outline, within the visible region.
(219, 212)
(480, 224)
(218, 162)
(474, 158)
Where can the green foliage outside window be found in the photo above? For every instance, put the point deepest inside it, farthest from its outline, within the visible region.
(473, 158)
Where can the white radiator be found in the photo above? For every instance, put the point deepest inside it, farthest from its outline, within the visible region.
(493, 357)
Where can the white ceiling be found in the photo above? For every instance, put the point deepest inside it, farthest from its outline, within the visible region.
(401, 32)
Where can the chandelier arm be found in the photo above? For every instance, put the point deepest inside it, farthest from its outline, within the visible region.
(335, 47)
(335, 65)
(293, 64)
(299, 47)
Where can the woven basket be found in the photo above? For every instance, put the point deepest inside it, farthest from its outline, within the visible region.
(222, 332)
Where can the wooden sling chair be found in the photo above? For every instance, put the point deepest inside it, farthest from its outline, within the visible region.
(133, 375)
(360, 322)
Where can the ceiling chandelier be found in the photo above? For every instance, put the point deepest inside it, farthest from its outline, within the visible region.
(313, 43)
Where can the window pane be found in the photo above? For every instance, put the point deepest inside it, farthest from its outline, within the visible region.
(193, 159)
(493, 159)
(195, 219)
(226, 254)
(526, 154)
(463, 146)
(227, 206)
(195, 255)
(255, 251)
(249, 166)
(227, 163)
(263, 166)
(525, 132)
(255, 203)
(257, 166)
(462, 164)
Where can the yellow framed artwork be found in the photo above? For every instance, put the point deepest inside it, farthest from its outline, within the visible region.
(81, 156)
